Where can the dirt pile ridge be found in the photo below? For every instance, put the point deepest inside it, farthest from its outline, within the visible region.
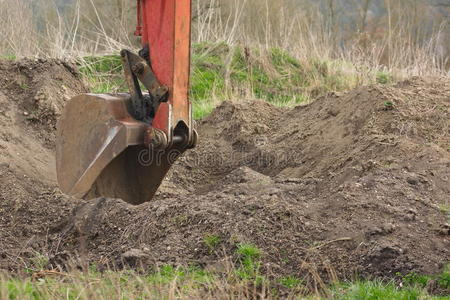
(32, 93)
(354, 182)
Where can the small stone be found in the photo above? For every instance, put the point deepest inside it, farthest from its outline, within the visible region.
(375, 230)
(260, 129)
(412, 181)
(25, 113)
(388, 228)
(410, 214)
(444, 229)
(134, 253)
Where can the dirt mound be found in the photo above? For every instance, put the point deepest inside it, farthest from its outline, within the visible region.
(354, 182)
(32, 93)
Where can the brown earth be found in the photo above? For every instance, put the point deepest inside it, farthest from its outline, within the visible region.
(354, 183)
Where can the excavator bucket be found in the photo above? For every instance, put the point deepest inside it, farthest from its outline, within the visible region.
(123, 145)
(100, 151)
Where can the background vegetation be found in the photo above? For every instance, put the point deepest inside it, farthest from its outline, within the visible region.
(285, 51)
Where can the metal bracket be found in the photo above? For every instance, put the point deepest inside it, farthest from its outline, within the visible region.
(136, 70)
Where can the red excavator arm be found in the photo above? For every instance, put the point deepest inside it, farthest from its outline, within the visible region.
(123, 145)
(166, 30)
(165, 27)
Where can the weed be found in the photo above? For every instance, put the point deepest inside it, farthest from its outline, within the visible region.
(211, 241)
(416, 279)
(249, 259)
(388, 105)
(166, 274)
(384, 77)
(16, 289)
(290, 282)
(280, 58)
(443, 279)
(24, 86)
(376, 290)
(202, 109)
(445, 209)
(100, 64)
(8, 57)
(38, 262)
(103, 73)
(248, 251)
(181, 220)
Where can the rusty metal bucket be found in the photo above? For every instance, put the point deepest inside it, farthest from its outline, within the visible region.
(100, 151)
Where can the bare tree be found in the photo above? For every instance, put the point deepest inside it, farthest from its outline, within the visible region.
(364, 12)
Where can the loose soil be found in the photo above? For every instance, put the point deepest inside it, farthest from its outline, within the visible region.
(354, 183)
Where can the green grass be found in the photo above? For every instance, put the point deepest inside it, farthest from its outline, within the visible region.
(192, 282)
(249, 264)
(248, 251)
(108, 285)
(290, 282)
(384, 77)
(211, 241)
(103, 74)
(442, 280)
(221, 72)
(8, 57)
(24, 86)
(240, 278)
(378, 290)
(445, 208)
